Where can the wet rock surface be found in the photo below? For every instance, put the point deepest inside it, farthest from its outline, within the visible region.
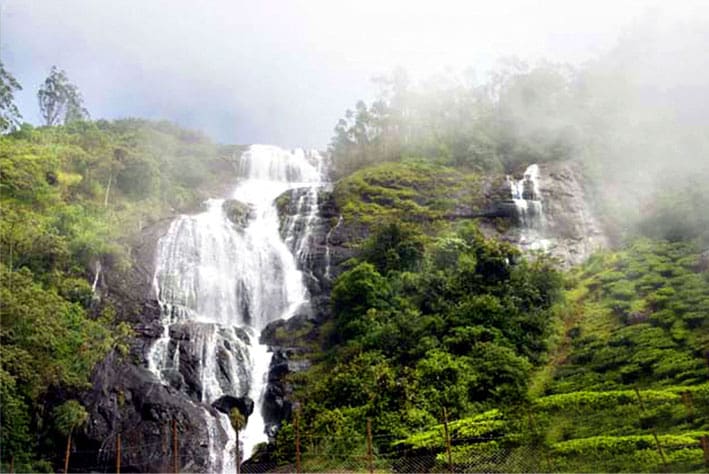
(568, 229)
(227, 403)
(126, 397)
(129, 400)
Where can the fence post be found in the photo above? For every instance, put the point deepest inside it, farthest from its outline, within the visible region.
(12, 464)
(118, 453)
(165, 444)
(654, 431)
(448, 440)
(297, 442)
(640, 399)
(369, 446)
(705, 448)
(175, 467)
(687, 400)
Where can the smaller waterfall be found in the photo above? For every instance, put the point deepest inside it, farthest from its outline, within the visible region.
(527, 198)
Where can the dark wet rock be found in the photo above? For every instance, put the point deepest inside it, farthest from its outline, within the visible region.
(227, 403)
(129, 400)
(126, 397)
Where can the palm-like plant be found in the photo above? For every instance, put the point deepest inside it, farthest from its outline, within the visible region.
(67, 417)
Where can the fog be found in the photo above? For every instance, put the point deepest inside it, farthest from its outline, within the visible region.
(284, 72)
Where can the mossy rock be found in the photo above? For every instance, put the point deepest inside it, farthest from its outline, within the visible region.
(237, 212)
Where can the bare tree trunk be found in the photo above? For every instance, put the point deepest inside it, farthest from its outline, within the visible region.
(108, 190)
(66, 456)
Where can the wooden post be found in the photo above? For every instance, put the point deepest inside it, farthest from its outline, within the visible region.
(640, 399)
(659, 449)
(175, 467)
(118, 453)
(705, 448)
(66, 456)
(12, 464)
(297, 443)
(369, 446)
(654, 431)
(448, 440)
(687, 400)
(165, 444)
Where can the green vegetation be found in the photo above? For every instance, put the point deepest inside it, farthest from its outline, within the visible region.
(536, 372)
(646, 319)
(9, 113)
(500, 124)
(455, 321)
(411, 191)
(60, 101)
(72, 196)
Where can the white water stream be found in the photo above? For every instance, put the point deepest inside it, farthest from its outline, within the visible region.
(219, 285)
(528, 201)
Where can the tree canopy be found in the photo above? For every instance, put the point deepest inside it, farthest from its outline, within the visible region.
(9, 113)
(60, 101)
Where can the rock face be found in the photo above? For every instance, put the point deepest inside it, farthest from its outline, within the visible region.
(321, 245)
(319, 242)
(560, 220)
(571, 222)
(126, 397)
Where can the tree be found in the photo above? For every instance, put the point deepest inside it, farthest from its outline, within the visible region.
(59, 100)
(68, 416)
(238, 422)
(9, 114)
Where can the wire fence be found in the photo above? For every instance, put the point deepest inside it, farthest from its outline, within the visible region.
(446, 448)
(467, 455)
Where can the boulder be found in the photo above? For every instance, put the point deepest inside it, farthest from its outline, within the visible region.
(237, 212)
(225, 404)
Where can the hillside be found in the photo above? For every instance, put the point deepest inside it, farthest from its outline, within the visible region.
(74, 200)
(535, 369)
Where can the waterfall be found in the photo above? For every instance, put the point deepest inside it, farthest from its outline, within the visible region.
(527, 199)
(219, 284)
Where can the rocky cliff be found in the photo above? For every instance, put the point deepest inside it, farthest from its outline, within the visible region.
(126, 398)
(568, 228)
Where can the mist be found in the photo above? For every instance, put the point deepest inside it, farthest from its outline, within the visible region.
(284, 72)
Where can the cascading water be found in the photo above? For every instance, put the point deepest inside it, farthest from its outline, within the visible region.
(527, 200)
(219, 284)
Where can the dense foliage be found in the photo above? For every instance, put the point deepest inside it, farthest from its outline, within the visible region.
(73, 198)
(457, 322)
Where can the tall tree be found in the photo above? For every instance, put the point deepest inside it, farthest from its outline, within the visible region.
(9, 114)
(59, 100)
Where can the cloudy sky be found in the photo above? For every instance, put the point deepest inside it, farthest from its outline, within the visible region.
(283, 72)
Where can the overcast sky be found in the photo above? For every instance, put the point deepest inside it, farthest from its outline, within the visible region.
(283, 72)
